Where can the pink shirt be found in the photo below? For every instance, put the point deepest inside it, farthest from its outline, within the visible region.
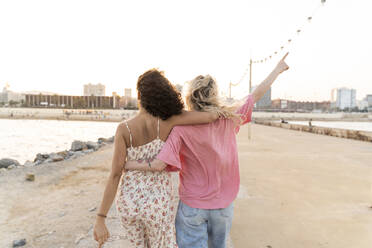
(207, 158)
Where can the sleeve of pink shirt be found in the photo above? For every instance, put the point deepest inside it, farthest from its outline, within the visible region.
(245, 111)
(169, 154)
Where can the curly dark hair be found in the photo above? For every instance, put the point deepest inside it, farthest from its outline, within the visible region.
(158, 96)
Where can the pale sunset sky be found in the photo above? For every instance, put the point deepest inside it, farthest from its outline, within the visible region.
(58, 46)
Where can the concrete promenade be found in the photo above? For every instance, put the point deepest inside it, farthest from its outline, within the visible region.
(305, 190)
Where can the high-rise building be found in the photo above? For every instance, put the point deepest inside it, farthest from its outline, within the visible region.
(7, 95)
(128, 92)
(265, 101)
(94, 89)
(369, 102)
(346, 98)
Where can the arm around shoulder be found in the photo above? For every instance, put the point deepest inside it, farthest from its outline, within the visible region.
(193, 118)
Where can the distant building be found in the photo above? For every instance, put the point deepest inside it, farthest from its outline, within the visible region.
(127, 101)
(298, 106)
(369, 102)
(346, 98)
(7, 95)
(265, 101)
(94, 89)
(362, 104)
(179, 87)
(65, 101)
(128, 92)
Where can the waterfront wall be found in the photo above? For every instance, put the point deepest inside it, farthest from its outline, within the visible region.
(336, 132)
(314, 116)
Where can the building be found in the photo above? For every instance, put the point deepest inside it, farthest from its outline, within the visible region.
(65, 101)
(369, 102)
(362, 104)
(128, 92)
(94, 89)
(346, 98)
(7, 96)
(179, 87)
(265, 101)
(298, 106)
(127, 100)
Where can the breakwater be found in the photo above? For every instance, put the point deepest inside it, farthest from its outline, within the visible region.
(67, 114)
(336, 132)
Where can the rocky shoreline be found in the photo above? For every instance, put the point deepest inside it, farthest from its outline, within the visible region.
(78, 148)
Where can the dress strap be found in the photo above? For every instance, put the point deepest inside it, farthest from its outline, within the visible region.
(158, 128)
(130, 134)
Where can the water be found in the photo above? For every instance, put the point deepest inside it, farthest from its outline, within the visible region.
(23, 139)
(360, 126)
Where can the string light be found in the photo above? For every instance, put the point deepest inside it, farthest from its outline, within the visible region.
(262, 60)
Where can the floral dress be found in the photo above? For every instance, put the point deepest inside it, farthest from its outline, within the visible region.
(145, 201)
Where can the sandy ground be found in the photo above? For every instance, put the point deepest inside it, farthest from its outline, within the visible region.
(297, 190)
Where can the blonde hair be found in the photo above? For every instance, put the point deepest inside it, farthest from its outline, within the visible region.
(202, 95)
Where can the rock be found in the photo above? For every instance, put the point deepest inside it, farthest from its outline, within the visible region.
(30, 177)
(77, 154)
(38, 162)
(49, 160)
(6, 162)
(80, 237)
(101, 140)
(70, 153)
(88, 151)
(18, 243)
(28, 163)
(12, 166)
(78, 145)
(55, 157)
(92, 209)
(64, 154)
(41, 157)
(92, 145)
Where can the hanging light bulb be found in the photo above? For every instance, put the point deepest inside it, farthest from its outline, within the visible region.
(282, 47)
(323, 1)
(289, 41)
(276, 52)
(309, 18)
(298, 31)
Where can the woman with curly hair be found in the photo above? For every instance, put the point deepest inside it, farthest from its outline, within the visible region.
(207, 158)
(144, 199)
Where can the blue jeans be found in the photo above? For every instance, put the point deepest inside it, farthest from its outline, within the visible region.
(202, 228)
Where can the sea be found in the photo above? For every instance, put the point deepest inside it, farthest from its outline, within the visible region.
(23, 139)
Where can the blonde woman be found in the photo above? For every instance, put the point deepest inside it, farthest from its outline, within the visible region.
(207, 158)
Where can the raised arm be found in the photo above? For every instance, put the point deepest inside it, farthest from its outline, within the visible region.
(266, 84)
(192, 118)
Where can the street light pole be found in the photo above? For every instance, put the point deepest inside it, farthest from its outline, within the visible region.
(250, 91)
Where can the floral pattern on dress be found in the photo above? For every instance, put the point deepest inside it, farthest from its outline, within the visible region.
(145, 202)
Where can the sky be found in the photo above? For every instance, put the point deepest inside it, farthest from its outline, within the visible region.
(58, 46)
